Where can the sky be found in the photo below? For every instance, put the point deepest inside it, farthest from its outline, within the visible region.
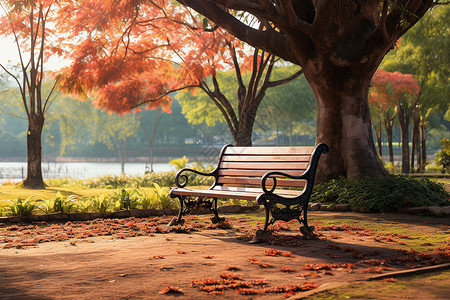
(9, 55)
(8, 51)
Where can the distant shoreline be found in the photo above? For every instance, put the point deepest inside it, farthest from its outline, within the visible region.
(107, 159)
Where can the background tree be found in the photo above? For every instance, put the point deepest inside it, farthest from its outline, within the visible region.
(339, 44)
(27, 22)
(424, 53)
(403, 90)
(289, 108)
(161, 48)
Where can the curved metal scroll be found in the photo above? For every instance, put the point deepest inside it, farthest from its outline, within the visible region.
(308, 175)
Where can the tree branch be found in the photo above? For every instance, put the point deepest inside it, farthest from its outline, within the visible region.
(272, 41)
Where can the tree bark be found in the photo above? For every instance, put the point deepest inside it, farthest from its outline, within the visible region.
(415, 139)
(344, 124)
(388, 126)
(34, 178)
(403, 119)
(378, 134)
(423, 136)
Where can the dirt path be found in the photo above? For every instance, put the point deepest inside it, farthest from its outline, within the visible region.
(133, 260)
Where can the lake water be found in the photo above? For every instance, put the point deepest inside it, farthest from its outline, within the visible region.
(16, 171)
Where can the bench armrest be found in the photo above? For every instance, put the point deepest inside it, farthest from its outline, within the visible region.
(274, 185)
(308, 175)
(185, 179)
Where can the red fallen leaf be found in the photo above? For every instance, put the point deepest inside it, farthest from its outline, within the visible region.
(230, 276)
(286, 269)
(254, 261)
(203, 282)
(213, 289)
(275, 252)
(157, 257)
(208, 256)
(259, 282)
(390, 279)
(233, 268)
(243, 291)
(171, 290)
(375, 270)
(181, 252)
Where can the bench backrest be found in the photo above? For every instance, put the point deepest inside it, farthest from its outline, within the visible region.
(244, 166)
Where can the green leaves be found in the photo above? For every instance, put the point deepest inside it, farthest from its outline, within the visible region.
(378, 195)
(21, 207)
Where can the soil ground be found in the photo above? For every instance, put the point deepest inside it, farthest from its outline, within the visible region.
(142, 259)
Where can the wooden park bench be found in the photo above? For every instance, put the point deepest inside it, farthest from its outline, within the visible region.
(280, 178)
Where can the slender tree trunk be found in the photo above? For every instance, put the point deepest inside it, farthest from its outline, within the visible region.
(123, 155)
(415, 138)
(378, 133)
(388, 125)
(403, 119)
(423, 136)
(152, 141)
(34, 178)
(343, 122)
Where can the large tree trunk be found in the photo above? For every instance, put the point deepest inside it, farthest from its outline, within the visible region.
(343, 122)
(243, 136)
(34, 178)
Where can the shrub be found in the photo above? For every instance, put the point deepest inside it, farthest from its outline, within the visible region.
(146, 201)
(125, 199)
(384, 194)
(162, 196)
(21, 207)
(60, 204)
(101, 204)
(108, 181)
(443, 156)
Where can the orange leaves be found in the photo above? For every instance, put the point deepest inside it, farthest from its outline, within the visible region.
(388, 87)
(275, 252)
(132, 52)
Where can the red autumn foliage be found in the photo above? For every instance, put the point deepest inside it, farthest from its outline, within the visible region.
(275, 252)
(171, 290)
(388, 87)
(130, 52)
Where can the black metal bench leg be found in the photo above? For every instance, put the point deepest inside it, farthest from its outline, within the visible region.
(216, 219)
(307, 231)
(261, 234)
(178, 220)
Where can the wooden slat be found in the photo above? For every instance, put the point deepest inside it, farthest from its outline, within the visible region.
(269, 150)
(264, 165)
(266, 158)
(257, 181)
(215, 194)
(256, 190)
(255, 173)
(229, 194)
